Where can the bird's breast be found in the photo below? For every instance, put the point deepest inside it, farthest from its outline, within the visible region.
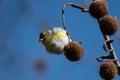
(59, 35)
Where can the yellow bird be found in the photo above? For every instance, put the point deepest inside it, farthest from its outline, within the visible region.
(54, 40)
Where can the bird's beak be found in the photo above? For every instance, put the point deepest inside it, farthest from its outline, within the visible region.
(40, 40)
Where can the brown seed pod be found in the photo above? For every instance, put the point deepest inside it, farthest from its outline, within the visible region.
(73, 51)
(41, 65)
(109, 25)
(98, 8)
(108, 70)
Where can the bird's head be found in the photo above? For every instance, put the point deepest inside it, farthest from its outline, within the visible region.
(45, 36)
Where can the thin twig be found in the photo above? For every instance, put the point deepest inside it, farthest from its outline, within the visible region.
(105, 45)
(102, 58)
(73, 5)
(63, 18)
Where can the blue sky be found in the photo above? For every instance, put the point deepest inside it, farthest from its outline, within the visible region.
(21, 21)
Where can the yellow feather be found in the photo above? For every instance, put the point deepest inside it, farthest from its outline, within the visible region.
(58, 35)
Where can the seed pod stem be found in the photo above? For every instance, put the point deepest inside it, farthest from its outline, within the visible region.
(75, 6)
(110, 47)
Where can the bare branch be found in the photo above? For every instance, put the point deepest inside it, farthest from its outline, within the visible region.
(63, 11)
(73, 5)
(111, 49)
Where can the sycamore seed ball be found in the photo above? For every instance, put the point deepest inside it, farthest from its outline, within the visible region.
(73, 51)
(109, 25)
(98, 8)
(108, 70)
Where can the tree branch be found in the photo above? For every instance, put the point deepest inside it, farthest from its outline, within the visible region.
(112, 52)
(63, 18)
(73, 5)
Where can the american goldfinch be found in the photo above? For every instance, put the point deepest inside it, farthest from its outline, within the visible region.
(54, 40)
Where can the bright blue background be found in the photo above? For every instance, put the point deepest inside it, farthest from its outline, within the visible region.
(21, 21)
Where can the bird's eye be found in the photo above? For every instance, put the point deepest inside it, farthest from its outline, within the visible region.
(42, 35)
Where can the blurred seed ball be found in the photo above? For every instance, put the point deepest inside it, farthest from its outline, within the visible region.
(98, 8)
(109, 25)
(41, 65)
(73, 51)
(108, 70)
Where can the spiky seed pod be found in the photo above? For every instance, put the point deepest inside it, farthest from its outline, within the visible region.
(98, 8)
(109, 25)
(108, 70)
(73, 51)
